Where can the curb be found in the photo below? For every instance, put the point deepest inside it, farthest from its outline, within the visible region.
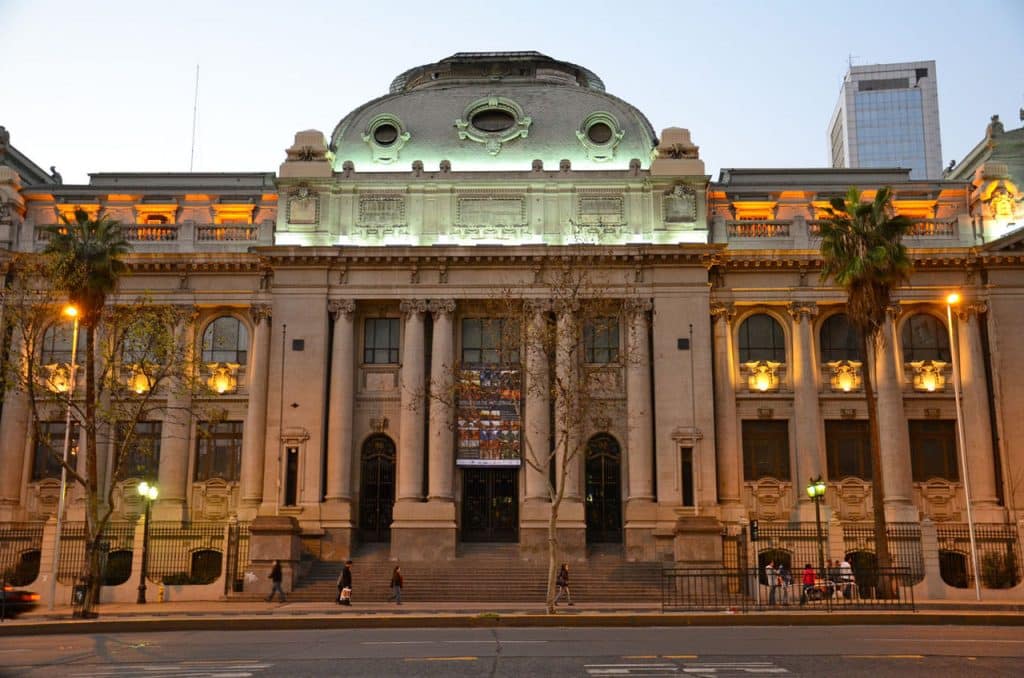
(303, 622)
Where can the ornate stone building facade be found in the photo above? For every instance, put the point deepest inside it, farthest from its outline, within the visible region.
(328, 295)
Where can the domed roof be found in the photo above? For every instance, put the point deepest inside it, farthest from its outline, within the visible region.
(494, 111)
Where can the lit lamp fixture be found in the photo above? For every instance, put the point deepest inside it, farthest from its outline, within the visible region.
(149, 494)
(845, 375)
(928, 375)
(138, 381)
(816, 491)
(763, 376)
(58, 377)
(223, 377)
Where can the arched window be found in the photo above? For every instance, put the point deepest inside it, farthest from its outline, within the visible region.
(56, 348)
(838, 339)
(924, 337)
(206, 566)
(226, 340)
(761, 338)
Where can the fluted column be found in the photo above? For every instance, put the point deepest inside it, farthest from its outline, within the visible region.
(566, 402)
(977, 425)
(730, 460)
(538, 402)
(13, 436)
(441, 471)
(806, 413)
(640, 432)
(176, 427)
(897, 485)
(254, 437)
(410, 445)
(342, 391)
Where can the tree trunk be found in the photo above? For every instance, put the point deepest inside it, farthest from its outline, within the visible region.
(90, 568)
(877, 490)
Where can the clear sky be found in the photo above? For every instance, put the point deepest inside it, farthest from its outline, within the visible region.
(103, 85)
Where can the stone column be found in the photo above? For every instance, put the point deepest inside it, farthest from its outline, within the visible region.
(537, 392)
(175, 433)
(410, 444)
(977, 425)
(337, 508)
(640, 434)
(13, 443)
(441, 471)
(730, 458)
(254, 437)
(806, 412)
(897, 485)
(568, 421)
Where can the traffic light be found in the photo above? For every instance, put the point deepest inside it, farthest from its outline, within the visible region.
(753, 530)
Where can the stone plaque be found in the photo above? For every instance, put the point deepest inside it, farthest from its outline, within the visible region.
(601, 210)
(375, 210)
(680, 205)
(484, 211)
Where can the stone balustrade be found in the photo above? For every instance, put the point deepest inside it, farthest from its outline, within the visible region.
(160, 237)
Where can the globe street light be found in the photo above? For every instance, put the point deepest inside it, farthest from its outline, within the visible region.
(954, 298)
(149, 494)
(71, 312)
(816, 491)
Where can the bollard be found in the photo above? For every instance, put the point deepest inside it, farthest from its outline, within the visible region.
(160, 593)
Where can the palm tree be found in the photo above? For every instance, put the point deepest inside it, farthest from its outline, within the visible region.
(87, 267)
(862, 249)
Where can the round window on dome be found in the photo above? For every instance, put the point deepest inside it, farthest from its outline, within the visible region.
(493, 120)
(385, 134)
(599, 133)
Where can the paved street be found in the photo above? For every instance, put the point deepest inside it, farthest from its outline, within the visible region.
(737, 651)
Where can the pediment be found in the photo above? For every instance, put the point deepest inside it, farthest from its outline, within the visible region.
(1011, 242)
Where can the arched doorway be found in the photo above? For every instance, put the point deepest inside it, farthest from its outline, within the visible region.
(376, 488)
(604, 490)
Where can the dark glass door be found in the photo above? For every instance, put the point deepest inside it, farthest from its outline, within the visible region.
(376, 488)
(490, 504)
(604, 490)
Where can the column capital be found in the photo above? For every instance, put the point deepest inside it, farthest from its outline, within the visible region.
(803, 310)
(566, 306)
(894, 311)
(341, 307)
(725, 311)
(185, 313)
(441, 307)
(637, 306)
(975, 308)
(535, 306)
(412, 307)
(259, 313)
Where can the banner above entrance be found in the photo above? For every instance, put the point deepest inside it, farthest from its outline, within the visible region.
(489, 421)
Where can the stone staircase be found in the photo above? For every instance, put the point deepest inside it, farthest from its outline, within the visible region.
(490, 573)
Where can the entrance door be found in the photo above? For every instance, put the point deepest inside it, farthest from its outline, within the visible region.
(376, 488)
(604, 490)
(490, 504)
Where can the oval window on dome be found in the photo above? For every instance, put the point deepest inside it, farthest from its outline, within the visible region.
(599, 133)
(385, 134)
(493, 120)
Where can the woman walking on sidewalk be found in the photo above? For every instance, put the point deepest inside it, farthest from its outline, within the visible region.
(562, 584)
(396, 585)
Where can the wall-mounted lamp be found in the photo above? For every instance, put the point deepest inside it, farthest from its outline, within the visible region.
(223, 377)
(138, 381)
(845, 375)
(928, 375)
(763, 375)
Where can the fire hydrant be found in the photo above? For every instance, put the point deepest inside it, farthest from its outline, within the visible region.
(160, 593)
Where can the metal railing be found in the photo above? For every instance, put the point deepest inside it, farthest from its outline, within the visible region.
(742, 590)
(118, 536)
(192, 553)
(904, 547)
(999, 554)
(238, 556)
(797, 541)
(20, 545)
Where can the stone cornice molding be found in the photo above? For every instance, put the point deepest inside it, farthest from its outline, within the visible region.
(441, 307)
(411, 307)
(339, 308)
(803, 310)
(259, 313)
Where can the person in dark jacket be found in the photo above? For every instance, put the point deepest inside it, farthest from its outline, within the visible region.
(562, 584)
(345, 585)
(396, 585)
(275, 578)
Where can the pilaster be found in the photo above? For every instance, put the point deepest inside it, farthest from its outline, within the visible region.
(254, 436)
(806, 412)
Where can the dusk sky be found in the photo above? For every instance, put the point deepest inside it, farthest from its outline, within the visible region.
(106, 86)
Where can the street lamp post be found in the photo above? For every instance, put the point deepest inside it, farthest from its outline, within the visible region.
(816, 491)
(71, 312)
(954, 298)
(149, 493)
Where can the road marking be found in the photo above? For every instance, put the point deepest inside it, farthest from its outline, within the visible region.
(441, 659)
(720, 668)
(631, 669)
(678, 656)
(398, 642)
(883, 656)
(184, 669)
(639, 656)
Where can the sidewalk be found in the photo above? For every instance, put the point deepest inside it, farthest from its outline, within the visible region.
(249, 615)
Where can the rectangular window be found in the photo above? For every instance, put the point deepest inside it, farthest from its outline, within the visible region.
(380, 341)
(848, 448)
(219, 450)
(686, 472)
(933, 449)
(601, 340)
(141, 457)
(490, 341)
(765, 449)
(49, 449)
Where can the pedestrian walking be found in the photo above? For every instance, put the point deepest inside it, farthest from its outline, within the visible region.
(785, 581)
(275, 579)
(771, 575)
(345, 585)
(396, 585)
(562, 584)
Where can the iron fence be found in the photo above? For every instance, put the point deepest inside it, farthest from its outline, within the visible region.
(999, 554)
(20, 545)
(115, 545)
(904, 548)
(791, 543)
(742, 590)
(237, 556)
(190, 553)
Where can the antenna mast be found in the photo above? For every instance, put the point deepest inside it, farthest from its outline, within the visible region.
(195, 113)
